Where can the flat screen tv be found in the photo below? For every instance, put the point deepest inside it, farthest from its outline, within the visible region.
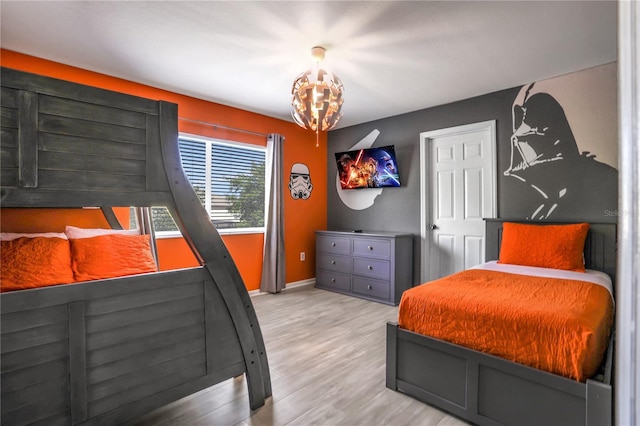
(368, 168)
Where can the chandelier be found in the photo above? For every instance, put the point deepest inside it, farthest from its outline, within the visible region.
(316, 99)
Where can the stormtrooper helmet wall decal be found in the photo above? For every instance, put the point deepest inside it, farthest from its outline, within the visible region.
(300, 182)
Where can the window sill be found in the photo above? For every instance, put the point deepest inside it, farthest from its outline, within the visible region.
(240, 231)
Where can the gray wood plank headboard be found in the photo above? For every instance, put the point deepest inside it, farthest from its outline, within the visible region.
(66, 145)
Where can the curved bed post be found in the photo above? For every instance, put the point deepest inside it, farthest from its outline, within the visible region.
(204, 240)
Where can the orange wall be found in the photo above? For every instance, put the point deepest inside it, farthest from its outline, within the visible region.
(302, 217)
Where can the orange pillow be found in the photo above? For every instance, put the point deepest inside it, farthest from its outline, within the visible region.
(545, 246)
(109, 256)
(35, 262)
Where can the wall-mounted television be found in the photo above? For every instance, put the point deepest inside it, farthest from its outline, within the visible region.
(368, 168)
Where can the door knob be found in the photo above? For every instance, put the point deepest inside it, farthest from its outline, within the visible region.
(433, 226)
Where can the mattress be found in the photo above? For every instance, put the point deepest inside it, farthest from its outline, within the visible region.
(556, 321)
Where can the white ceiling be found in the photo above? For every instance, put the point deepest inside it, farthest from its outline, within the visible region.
(392, 56)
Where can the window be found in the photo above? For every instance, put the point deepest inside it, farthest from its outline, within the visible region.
(228, 177)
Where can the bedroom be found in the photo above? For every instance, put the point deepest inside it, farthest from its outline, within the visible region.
(303, 217)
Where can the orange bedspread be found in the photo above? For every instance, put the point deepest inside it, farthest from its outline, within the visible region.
(557, 325)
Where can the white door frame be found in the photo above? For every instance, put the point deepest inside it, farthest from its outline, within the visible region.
(425, 186)
(627, 374)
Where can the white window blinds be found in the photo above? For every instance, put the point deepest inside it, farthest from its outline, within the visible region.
(228, 178)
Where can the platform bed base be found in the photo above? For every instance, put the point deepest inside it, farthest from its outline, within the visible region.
(104, 352)
(487, 390)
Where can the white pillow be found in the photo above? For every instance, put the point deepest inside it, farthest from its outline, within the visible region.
(9, 236)
(78, 233)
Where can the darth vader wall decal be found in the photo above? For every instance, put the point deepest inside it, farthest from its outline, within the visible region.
(550, 178)
(300, 182)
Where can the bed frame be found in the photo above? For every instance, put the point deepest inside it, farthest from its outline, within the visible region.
(107, 351)
(488, 390)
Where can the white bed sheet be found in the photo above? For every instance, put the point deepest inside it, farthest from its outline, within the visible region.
(595, 277)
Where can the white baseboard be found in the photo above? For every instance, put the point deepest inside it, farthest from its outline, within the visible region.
(289, 286)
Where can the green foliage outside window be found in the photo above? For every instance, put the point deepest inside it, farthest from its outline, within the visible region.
(247, 197)
(162, 220)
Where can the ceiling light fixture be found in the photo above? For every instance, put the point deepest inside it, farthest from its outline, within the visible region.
(316, 99)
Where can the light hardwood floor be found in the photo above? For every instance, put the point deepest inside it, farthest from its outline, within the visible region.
(326, 355)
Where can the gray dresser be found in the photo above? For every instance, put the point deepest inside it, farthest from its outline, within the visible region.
(371, 265)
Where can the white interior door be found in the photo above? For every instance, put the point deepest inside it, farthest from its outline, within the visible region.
(458, 178)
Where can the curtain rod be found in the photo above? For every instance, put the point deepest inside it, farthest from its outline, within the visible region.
(220, 126)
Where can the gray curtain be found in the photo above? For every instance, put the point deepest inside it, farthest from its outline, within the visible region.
(273, 267)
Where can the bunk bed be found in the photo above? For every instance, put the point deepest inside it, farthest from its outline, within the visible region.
(106, 351)
(489, 390)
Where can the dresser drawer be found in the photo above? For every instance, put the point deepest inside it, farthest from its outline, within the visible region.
(333, 263)
(372, 248)
(372, 268)
(333, 244)
(333, 280)
(371, 288)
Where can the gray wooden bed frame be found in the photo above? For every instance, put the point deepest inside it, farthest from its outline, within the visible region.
(107, 351)
(488, 390)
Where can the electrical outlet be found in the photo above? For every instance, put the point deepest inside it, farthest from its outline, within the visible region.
(302, 256)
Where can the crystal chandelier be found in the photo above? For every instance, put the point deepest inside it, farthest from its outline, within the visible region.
(316, 99)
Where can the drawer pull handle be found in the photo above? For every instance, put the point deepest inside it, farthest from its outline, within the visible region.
(369, 267)
(333, 280)
(370, 248)
(333, 244)
(369, 287)
(333, 262)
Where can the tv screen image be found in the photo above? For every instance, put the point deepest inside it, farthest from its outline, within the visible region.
(368, 168)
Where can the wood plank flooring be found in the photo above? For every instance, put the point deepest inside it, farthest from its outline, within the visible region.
(327, 360)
